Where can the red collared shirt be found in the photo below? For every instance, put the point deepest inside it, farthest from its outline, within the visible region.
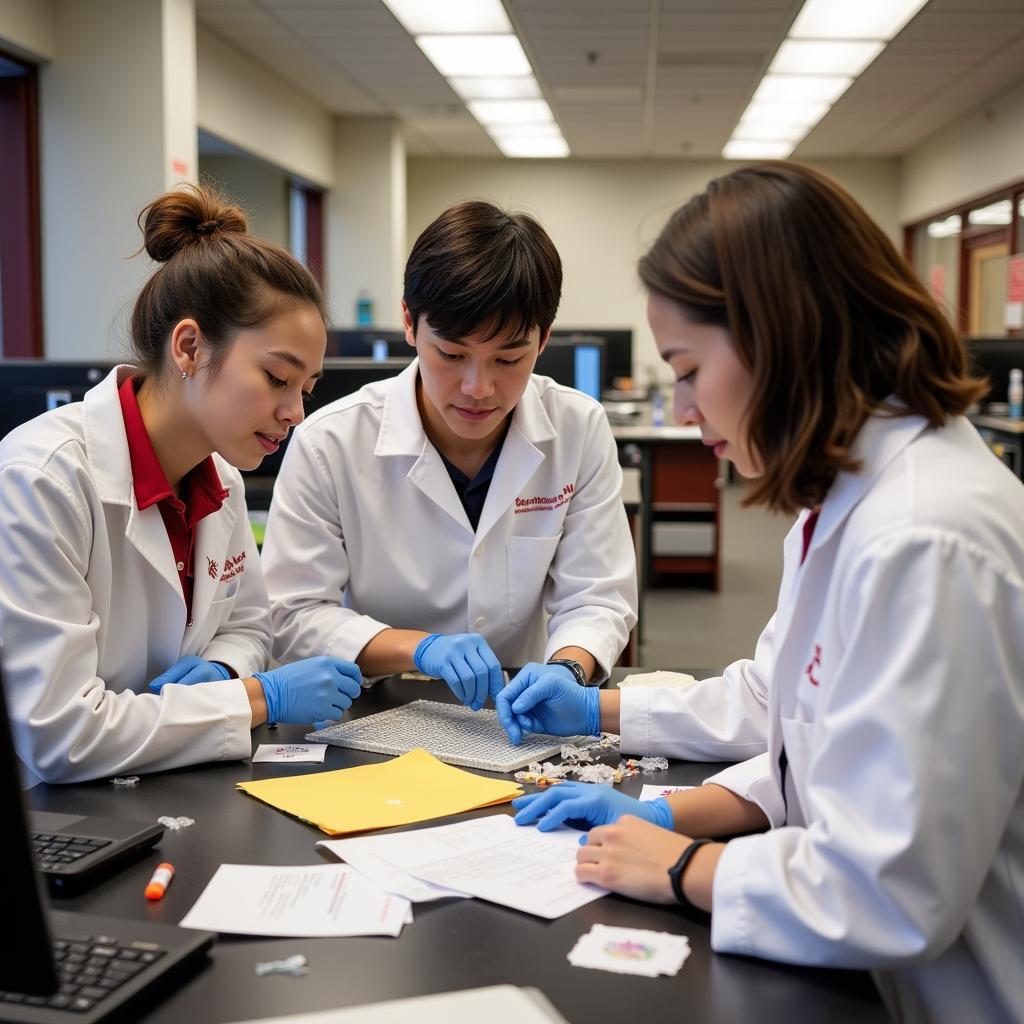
(200, 487)
(809, 524)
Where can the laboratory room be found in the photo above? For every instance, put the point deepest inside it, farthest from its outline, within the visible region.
(512, 510)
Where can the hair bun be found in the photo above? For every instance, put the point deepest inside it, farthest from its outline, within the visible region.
(191, 214)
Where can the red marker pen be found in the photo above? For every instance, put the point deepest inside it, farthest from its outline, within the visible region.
(159, 882)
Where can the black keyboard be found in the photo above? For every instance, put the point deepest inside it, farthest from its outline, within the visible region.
(54, 851)
(90, 969)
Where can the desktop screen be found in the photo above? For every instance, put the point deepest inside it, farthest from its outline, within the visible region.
(34, 386)
(588, 370)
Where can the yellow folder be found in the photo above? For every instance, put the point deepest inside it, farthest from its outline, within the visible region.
(410, 788)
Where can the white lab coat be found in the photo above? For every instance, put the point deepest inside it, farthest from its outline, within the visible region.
(366, 532)
(91, 607)
(893, 675)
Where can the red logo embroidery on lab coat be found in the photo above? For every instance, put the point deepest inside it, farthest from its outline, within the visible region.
(233, 566)
(545, 504)
(211, 568)
(815, 664)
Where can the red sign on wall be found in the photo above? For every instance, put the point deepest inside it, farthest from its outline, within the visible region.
(1015, 286)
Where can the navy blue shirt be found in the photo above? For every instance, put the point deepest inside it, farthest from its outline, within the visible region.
(473, 493)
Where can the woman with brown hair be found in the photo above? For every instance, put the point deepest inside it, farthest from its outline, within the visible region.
(134, 617)
(890, 682)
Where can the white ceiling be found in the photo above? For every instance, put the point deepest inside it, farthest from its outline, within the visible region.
(635, 78)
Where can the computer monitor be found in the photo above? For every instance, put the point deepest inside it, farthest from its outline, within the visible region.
(27, 966)
(577, 364)
(995, 358)
(32, 386)
(341, 377)
(618, 349)
(368, 343)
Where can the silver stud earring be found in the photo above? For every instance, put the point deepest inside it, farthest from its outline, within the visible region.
(184, 375)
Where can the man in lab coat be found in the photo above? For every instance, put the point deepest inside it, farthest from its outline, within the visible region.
(465, 514)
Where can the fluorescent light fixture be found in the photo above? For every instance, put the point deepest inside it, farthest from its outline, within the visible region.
(853, 19)
(759, 132)
(440, 17)
(523, 87)
(995, 213)
(824, 57)
(749, 149)
(484, 56)
(946, 228)
(533, 147)
(523, 131)
(496, 112)
(795, 88)
(780, 112)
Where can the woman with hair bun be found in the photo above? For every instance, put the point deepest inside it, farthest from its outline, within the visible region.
(134, 617)
(887, 818)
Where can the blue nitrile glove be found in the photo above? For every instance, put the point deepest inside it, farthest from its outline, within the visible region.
(588, 803)
(547, 698)
(311, 690)
(188, 671)
(465, 662)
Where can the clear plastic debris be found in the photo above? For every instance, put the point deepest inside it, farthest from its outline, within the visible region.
(175, 823)
(295, 966)
(644, 765)
(545, 774)
(127, 780)
(604, 774)
(581, 760)
(571, 752)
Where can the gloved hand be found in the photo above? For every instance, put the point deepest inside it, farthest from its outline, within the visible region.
(189, 670)
(311, 690)
(465, 662)
(588, 803)
(547, 698)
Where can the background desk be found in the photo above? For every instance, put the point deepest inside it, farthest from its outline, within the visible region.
(681, 504)
(1005, 436)
(450, 945)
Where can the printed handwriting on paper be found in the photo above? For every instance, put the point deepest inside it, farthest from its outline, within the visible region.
(314, 900)
(312, 753)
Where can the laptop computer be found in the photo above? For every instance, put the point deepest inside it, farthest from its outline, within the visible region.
(74, 851)
(61, 966)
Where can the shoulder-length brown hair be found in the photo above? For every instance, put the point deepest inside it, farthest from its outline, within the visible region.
(824, 312)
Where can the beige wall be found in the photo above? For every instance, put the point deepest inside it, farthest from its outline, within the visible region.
(602, 214)
(102, 156)
(260, 188)
(27, 28)
(980, 152)
(366, 220)
(252, 108)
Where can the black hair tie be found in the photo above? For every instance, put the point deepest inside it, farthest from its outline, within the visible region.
(207, 227)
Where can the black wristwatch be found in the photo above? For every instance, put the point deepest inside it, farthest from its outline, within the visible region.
(676, 872)
(574, 667)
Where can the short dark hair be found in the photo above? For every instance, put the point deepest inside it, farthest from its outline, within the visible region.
(213, 271)
(823, 311)
(477, 267)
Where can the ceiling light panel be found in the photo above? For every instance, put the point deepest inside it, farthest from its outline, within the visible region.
(455, 17)
(744, 149)
(824, 57)
(755, 131)
(523, 131)
(475, 55)
(496, 112)
(797, 88)
(846, 19)
(533, 147)
(522, 87)
(803, 114)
